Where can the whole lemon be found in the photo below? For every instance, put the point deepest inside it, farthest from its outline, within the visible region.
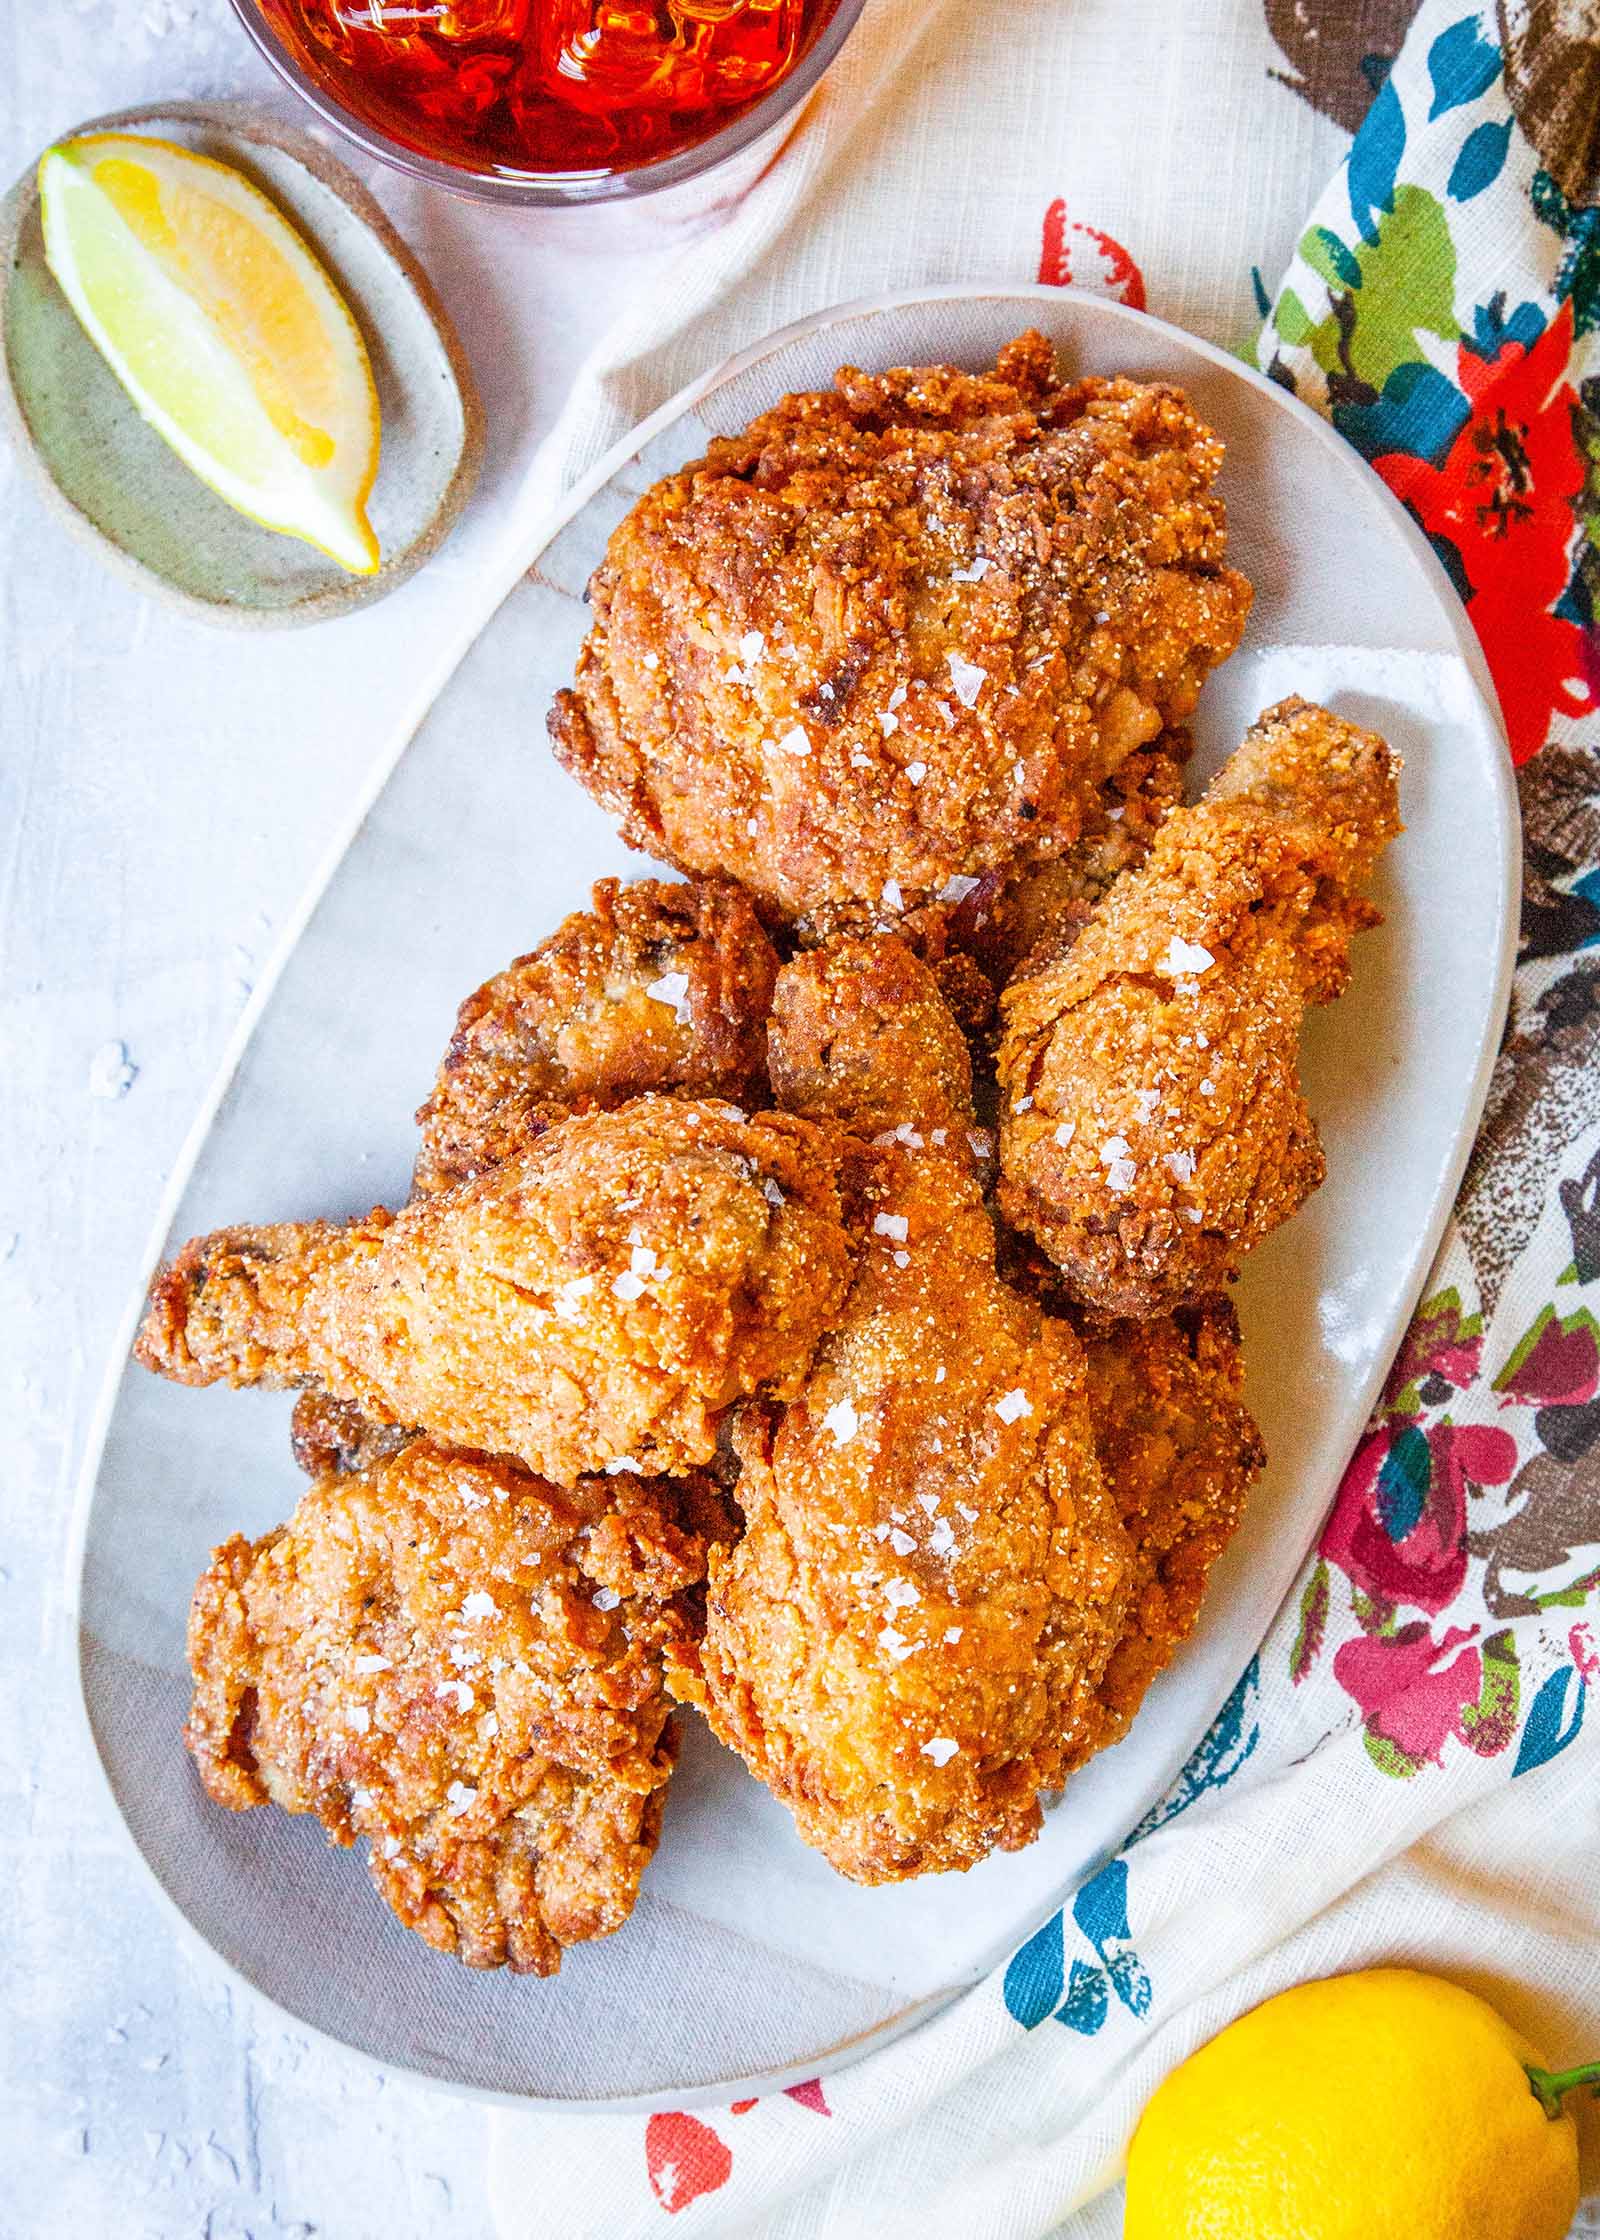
(1387, 2105)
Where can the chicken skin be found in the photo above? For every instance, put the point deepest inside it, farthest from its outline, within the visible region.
(898, 633)
(601, 1298)
(654, 987)
(462, 1664)
(907, 1641)
(1153, 1127)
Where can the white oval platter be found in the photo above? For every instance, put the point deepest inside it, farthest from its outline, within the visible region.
(749, 1964)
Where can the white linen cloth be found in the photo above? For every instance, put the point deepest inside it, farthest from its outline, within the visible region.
(1160, 153)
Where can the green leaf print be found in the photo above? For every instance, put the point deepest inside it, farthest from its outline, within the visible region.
(1389, 1758)
(1404, 282)
(1488, 1725)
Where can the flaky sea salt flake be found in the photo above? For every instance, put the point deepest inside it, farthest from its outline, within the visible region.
(673, 989)
(1184, 958)
(843, 1421)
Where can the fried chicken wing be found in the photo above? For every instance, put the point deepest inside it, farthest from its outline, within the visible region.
(1153, 1125)
(462, 1664)
(654, 987)
(907, 1641)
(898, 633)
(601, 1297)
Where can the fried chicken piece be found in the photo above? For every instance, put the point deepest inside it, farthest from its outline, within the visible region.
(1153, 1125)
(1180, 1451)
(900, 632)
(602, 1296)
(444, 1654)
(861, 1037)
(907, 1641)
(654, 987)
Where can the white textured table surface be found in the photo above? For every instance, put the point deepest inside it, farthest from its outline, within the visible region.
(166, 792)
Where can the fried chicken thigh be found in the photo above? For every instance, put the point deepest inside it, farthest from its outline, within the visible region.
(1153, 1125)
(907, 1641)
(462, 1664)
(898, 633)
(654, 987)
(601, 1297)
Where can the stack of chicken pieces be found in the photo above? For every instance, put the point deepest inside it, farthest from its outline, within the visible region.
(810, 1306)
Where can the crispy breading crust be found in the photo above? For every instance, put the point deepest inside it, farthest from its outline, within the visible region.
(1152, 1123)
(862, 1037)
(1180, 1451)
(604, 1295)
(447, 1656)
(907, 1641)
(655, 987)
(901, 631)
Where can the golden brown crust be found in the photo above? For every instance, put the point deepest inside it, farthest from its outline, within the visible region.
(861, 1037)
(901, 631)
(1153, 1127)
(906, 1643)
(656, 986)
(605, 1294)
(1180, 1451)
(429, 1655)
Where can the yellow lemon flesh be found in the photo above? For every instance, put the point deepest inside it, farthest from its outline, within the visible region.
(1381, 2104)
(224, 330)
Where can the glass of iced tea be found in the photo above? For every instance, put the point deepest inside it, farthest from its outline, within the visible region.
(553, 101)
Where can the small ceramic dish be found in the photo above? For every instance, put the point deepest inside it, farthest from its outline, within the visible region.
(748, 1963)
(121, 488)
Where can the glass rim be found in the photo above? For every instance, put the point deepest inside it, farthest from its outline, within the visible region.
(560, 189)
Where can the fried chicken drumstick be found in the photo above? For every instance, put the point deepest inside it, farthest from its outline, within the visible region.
(601, 1297)
(907, 1641)
(462, 1664)
(1153, 1127)
(899, 632)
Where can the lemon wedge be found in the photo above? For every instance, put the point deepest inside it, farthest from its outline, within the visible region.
(223, 328)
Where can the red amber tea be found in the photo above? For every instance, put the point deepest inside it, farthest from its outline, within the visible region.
(519, 86)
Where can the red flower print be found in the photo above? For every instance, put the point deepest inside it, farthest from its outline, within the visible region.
(1557, 1365)
(685, 2159)
(1504, 500)
(1399, 1527)
(1114, 271)
(1413, 1691)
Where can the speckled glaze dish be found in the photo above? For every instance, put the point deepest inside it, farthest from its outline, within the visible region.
(119, 486)
(749, 1964)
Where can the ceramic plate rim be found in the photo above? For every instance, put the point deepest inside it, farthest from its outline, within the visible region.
(520, 553)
